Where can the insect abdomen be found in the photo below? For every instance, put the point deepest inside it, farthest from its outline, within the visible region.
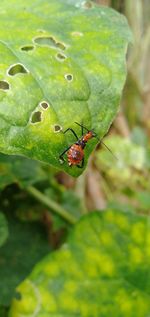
(75, 154)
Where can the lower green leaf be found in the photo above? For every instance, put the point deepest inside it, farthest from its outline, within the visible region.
(25, 246)
(3, 229)
(20, 170)
(102, 271)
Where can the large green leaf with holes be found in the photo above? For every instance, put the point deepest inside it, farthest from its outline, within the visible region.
(103, 270)
(60, 62)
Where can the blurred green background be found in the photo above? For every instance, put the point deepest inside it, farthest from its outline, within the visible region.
(125, 182)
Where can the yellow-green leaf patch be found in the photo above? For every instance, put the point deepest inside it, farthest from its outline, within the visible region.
(102, 271)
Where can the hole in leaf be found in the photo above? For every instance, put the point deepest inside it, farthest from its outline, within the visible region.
(61, 57)
(44, 104)
(61, 46)
(4, 85)
(27, 48)
(87, 4)
(45, 40)
(36, 117)
(57, 128)
(17, 69)
(49, 41)
(69, 77)
(76, 33)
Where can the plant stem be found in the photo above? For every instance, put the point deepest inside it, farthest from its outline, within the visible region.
(52, 205)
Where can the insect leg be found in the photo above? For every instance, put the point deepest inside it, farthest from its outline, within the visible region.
(62, 154)
(82, 164)
(69, 129)
(83, 127)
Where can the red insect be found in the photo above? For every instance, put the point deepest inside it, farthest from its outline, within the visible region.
(75, 152)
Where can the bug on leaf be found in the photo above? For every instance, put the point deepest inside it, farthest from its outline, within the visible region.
(75, 152)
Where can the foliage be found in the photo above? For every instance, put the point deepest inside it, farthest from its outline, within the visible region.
(3, 229)
(128, 177)
(26, 245)
(103, 269)
(28, 226)
(21, 171)
(51, 76)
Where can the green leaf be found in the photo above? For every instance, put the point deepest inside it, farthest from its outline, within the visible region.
(69, 201)
(25, 246)
(143, 198)
(3, 311)
(128, 167)
(103, 270)
(60, 62)
(139, 136)
(3, 229)
(15, 169)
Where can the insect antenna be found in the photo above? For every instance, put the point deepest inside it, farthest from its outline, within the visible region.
(82, 126)
(108, 149)
(88, 130)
